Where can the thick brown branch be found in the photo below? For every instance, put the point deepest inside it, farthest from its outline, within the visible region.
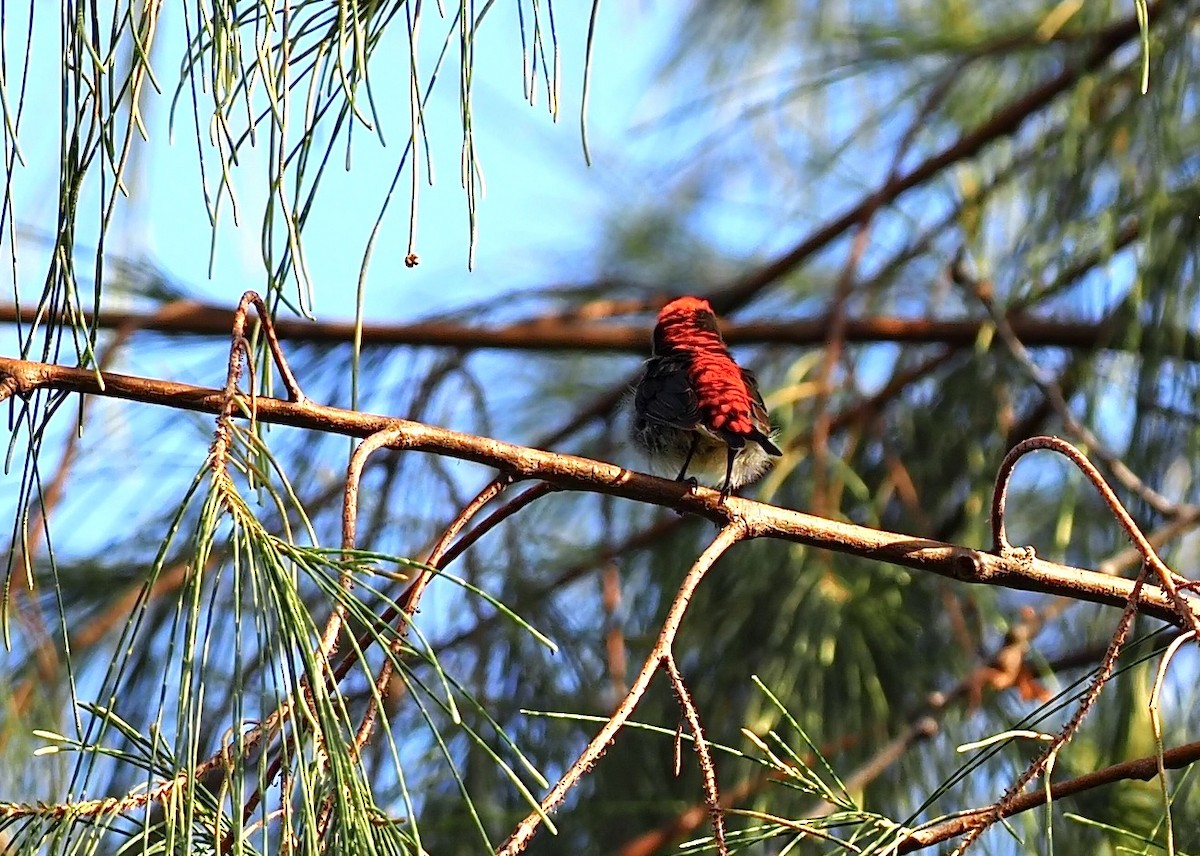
(188, 318)
(576, 473)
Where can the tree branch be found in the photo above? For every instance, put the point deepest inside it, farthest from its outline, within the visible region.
(734, 531)
(1142, 769)
(1004, 122)
(575, 473)
(553, 333)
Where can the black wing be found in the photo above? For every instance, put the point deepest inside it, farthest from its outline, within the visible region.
(665, 395)
(760, 415)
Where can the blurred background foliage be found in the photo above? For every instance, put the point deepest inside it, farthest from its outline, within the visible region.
(1012, 140)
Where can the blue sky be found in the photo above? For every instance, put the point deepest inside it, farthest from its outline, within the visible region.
(542, 209)
(540, 196)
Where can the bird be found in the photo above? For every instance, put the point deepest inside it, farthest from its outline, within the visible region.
(695, 408)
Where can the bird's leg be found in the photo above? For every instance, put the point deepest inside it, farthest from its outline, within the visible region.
(688, 458)
(731, 453)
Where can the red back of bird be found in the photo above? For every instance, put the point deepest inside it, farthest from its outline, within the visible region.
(728, 405)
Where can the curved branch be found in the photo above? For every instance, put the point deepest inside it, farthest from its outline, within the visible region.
(1167, 578)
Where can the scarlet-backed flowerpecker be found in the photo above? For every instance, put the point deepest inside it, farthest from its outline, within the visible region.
(695, 408)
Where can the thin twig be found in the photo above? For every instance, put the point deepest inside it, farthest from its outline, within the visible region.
(328, 642)
(409, 599)
(490, 522)
(1103, 673)
(354, 469)
(734, 531)
(1108, 664)
(708, 770)
(641, 540)
(1054, 394)
(440, 556)
(1129, 556)
(1156, 724)
(295, 394)
(1140, 769)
